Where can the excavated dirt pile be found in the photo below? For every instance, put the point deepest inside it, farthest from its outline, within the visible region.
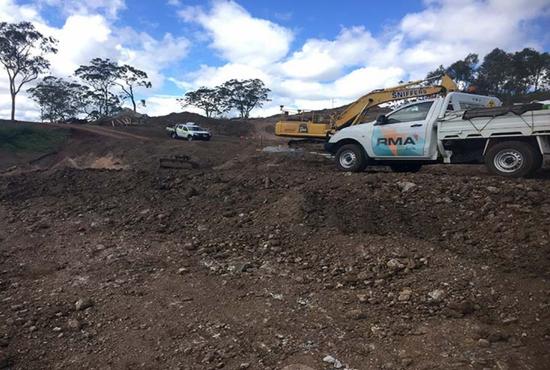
(262, 261)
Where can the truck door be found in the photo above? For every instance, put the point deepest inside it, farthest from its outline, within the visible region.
(183, 131)
(404, 132)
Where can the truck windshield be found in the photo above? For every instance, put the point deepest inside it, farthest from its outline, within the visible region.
(417, 112)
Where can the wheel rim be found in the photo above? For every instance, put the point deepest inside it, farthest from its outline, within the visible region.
(347, 159)
(508, 160)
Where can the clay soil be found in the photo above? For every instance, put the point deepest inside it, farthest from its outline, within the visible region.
(249, 260)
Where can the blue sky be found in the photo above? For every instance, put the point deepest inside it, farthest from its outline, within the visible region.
(312, 54)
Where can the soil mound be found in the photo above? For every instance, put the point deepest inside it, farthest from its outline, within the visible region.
(256, 260)
(233, 127)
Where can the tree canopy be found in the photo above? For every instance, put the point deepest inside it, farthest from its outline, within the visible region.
(239, 95)
(211, 101)
(22, 53)
(129, 78)
(501, 73)
(102, 76)
(59, 99)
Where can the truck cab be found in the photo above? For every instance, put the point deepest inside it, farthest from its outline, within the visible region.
(189, 131)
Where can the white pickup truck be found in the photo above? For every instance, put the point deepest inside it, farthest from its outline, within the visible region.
(189, 131)
(458, 128)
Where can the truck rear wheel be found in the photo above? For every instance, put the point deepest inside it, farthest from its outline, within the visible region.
(513, 159)
(173, 135)
(405, 167)
(351, 158)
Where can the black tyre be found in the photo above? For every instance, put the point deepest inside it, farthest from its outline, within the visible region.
(190, 138)
(406, 167)
(173, 135)
(351, 158)
(513, 159)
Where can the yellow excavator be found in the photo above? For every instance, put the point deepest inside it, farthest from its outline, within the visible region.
(310, 129)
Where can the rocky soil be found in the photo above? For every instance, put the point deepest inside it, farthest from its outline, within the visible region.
(257, 261)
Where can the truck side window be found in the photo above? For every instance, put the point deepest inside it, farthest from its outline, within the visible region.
(417, 112)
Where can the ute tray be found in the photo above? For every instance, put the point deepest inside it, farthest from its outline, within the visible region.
(518, 110)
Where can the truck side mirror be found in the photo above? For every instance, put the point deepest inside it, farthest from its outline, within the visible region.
(381, 120)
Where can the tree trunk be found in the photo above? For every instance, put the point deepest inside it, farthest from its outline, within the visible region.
(132, 98)
(13, 107)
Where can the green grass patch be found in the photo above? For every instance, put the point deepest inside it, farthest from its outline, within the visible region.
(31, 139)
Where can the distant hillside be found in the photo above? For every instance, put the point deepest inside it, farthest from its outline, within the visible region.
(230, 127)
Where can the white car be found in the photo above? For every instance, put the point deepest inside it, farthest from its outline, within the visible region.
(189, 131)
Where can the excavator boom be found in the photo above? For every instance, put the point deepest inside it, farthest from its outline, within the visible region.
(355, 111)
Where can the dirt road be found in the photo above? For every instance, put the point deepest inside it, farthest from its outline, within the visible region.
(256, 261)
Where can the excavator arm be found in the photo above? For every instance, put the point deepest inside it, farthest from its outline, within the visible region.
(355, 111)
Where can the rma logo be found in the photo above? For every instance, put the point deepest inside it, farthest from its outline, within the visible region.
(396, 141)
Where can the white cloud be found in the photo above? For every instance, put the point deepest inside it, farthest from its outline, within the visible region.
(319, 73)
(150, 54)
(339, 70)
(11, 12)
(213, 76)
(447, 30)
(85, 36)
(325, 59)
(160, 105)
(81, 38)
(238, 36)
(109, 8)
(176, 3)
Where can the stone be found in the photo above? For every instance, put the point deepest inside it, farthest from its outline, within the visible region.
(404, 295)
(436, 295)
(191, 246)
(356, 315)
(483, 343)
(74, 324)
(492, 189)
(331, 360)
(394, 264)
(405, 186)
(83, 303)
(362, 298)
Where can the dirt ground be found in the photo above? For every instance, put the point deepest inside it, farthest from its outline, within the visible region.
(250, 260)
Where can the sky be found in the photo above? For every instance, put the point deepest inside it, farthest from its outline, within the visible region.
(312, 54)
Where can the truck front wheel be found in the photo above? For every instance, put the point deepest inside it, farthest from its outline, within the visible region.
(351, 158)
(513, 159)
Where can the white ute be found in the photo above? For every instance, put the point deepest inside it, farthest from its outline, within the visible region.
(458, 128)
(189, 131)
